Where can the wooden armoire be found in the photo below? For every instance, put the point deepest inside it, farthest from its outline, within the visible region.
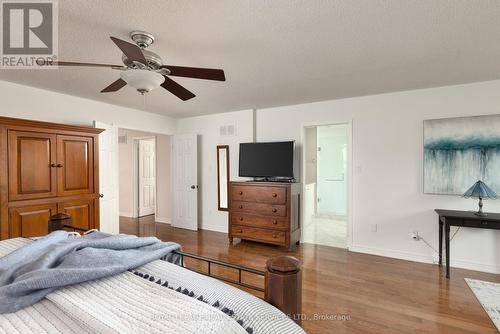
(47, 168)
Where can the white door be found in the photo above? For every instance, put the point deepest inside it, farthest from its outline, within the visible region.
(147, 177)
(185, 182)
(108, 178)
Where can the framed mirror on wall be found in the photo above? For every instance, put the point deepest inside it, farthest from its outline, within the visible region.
(222, 176)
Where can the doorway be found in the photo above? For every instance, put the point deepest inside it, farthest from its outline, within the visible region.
(145, 175)
(326, 196)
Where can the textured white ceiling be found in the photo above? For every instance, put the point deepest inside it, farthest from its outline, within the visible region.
(277, 52)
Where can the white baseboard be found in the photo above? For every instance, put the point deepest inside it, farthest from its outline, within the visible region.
(495, 269)
(163, 220)
(489, 268)
(222, 229)
(127, 214)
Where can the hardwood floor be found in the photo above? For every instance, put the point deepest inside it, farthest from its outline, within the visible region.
(378, 294)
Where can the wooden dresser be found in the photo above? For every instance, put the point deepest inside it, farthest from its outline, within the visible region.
(47, 168)
(265, 211)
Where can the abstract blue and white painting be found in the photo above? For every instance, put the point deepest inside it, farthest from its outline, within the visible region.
(460, 151)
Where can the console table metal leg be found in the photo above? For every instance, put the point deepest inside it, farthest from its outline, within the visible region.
(440, 241)
(447, 241)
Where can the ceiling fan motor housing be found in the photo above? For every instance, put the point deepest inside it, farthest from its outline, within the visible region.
(154, 61)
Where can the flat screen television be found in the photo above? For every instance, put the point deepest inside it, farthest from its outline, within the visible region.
(267, 160)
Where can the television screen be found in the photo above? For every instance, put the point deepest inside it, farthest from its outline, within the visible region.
(266, 159)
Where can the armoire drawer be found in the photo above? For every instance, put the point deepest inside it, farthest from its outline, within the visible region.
(259, 208)
(238, 218)
(263, 194)
(259, 234)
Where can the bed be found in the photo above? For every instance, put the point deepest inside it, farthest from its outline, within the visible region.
(160, 297)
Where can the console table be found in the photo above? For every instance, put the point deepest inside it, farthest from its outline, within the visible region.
(449, 218)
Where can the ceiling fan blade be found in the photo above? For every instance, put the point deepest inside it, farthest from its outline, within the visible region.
(176, 89)
(196, 72)
(132, 51)
(71, 63)
(118, 84)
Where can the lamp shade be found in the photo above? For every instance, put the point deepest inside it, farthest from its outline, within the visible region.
(142, 80)
(480, 190)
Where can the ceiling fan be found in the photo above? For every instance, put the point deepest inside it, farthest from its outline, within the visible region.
(145, 71)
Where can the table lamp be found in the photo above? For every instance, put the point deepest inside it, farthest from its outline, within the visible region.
(482, 191)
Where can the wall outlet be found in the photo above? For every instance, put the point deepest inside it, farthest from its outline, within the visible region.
(373, 227)
(414, 235)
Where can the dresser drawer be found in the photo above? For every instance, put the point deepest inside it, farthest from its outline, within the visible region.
(258, 234)
(259, 208)
(266, 222)
(262, 194)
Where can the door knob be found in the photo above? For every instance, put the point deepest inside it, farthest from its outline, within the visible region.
(193, 187)
(53, 165)
(59, 165)
(101, 195)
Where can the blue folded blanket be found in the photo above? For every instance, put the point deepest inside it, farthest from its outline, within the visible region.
(31, 272)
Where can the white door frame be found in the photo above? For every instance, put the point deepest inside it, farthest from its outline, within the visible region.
(135, 207)
(350, 176)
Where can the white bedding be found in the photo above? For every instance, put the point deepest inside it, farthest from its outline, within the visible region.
(128, 303)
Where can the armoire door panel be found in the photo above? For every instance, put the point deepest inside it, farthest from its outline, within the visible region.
(75, 165)
(81, 212)
(32, 169)
(30, 221)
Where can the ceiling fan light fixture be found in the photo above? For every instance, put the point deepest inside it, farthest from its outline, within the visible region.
(143, 81)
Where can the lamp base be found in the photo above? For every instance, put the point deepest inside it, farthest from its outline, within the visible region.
(481, 214)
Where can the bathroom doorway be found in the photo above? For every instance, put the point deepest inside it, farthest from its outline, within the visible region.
(326, 197)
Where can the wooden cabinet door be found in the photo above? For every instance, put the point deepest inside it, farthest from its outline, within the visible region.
(82, 213)
(75, 165)
(30, 221)
(32, 169)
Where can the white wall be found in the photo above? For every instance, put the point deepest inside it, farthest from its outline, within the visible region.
(207, 127)
(42, 105)
(388, 167)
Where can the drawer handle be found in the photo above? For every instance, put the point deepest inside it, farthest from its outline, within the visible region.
(239, 231)
(275, 195)
(241, 193)
(275, 210)
(275, 235)
(275, 222)
(241, 219)
(241, 206)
